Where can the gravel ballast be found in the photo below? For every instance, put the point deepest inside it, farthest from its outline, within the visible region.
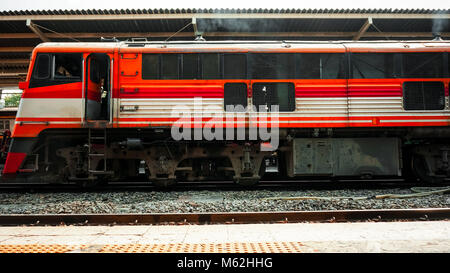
(206, 201)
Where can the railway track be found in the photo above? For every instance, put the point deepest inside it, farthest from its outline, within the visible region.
(224, 185)
(228, 218)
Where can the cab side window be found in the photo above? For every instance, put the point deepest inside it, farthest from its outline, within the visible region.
(56, 68)
(42, 67)
(67, 66)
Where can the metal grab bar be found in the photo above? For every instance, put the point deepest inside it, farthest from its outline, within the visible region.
(34, 122)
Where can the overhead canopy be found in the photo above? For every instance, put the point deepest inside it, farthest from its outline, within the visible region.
(20, 31)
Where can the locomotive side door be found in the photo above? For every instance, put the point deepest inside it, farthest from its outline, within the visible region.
(97, 87)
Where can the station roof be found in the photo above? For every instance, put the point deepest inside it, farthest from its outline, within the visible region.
(21, 31)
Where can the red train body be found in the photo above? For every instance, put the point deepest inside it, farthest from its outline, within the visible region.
(111, 111)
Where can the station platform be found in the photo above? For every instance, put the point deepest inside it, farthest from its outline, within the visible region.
(367, 237)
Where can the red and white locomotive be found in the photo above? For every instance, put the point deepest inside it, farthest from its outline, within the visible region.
(107, 111)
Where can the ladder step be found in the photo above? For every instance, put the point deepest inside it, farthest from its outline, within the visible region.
(96, 136)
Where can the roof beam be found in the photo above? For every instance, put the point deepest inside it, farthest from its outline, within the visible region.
(11, 79)
(14, 62)
(12, 75)
(194, 24)
(16, 49)
(213, 34)
(325, 34)
(363, 29)
(37, 31)
(16, 71)
(189, 16)
(10, 83)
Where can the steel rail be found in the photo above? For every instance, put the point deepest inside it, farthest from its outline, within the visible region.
(220, 185)
(227, 218)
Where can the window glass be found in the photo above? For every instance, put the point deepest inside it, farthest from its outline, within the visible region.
(372, 65)
(169, 66)
(272, 65)
(42, 67)
(211, 66)
(423, 95)
(67, 65)
(150, 66)
(94, 69)
(235, 97)
(281, 94)
(235, 66)
(284, 96)
(320, 66)
(190, 66)
(422, 65)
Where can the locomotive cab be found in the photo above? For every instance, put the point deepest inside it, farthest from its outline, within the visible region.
(65, 88)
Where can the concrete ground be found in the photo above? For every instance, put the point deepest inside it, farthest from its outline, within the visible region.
(432, 236)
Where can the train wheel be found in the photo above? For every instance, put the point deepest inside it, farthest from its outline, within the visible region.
(421, 170)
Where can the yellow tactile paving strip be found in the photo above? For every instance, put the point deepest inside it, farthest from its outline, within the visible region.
(264, 247)
(37, 248)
